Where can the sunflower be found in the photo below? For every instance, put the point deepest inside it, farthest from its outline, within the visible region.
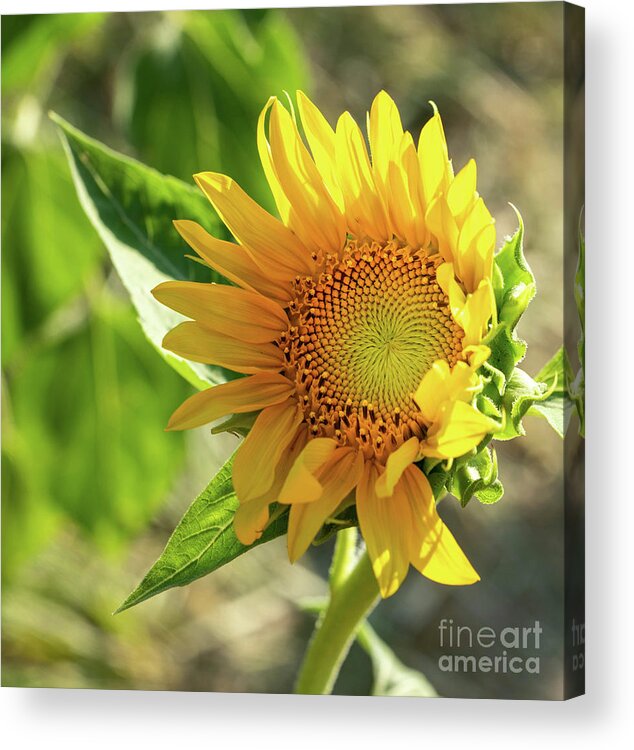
(358, 318)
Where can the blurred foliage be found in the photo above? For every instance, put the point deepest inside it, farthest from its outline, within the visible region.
(91, 485)
(84, 396)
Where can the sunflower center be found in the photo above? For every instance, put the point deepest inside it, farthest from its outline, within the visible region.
(362, 336)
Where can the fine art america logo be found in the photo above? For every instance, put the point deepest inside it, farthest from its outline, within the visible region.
(513, 650)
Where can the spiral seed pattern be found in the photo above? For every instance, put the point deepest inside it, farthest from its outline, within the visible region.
(362, 336)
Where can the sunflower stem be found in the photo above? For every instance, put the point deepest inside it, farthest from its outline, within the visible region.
(353, 595)
(344, 556)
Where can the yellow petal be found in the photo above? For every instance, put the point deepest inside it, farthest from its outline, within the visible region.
(443, 226)
(239, 313)
(257, 457)
(238, 396)
(193, 341)
(433, 549)
(477, 355)
(441, 384)
(401, 210)
(264, 150)
(385, 525)
(272, 246)
(476, 244)
(251, 519)
(461, 193)
(433, 158)
(458, 428)
(409, 160)
(447, 282)
(395, 465)
(476, 314)
(365, 212)
(301, 485)
(233, 262)
(313, 215)
(338, 477)
(385, 131)
(321, 139)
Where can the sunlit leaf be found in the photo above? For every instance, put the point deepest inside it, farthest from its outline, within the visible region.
(202, 542)
(132, 207)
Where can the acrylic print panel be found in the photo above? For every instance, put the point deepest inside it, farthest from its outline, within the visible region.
(364, 335)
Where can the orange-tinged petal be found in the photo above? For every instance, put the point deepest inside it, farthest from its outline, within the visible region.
(313, 215)
(385, 524)
(272, 246)
(193, 341)
(246, 394)
(239, 313)
(395, 465)
(321, 139)
(433, 549)
(233, 262)
(338, 477)
(302, 485)
(365, 212)
(258, 456)
(251, 519)
(458, 428)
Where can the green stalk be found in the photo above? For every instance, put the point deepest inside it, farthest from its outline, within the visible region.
(344, 556)
(352, 598)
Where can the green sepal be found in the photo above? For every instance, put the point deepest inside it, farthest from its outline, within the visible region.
(344, 520)
(517, 287)
(203, 541)
(507, 349)
(522, 393)
(477, 476)
(438, 480)
(514, 288)
(237, 424)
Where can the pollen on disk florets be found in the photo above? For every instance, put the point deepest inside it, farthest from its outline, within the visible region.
(363, 333)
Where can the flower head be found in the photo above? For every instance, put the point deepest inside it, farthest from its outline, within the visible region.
(358, 319)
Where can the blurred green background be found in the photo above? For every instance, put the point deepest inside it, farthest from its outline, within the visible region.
(91, 484)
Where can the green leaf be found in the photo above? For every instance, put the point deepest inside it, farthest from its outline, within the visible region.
(391, 676)
(203, 541)
(132, 207)
(556, 407)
